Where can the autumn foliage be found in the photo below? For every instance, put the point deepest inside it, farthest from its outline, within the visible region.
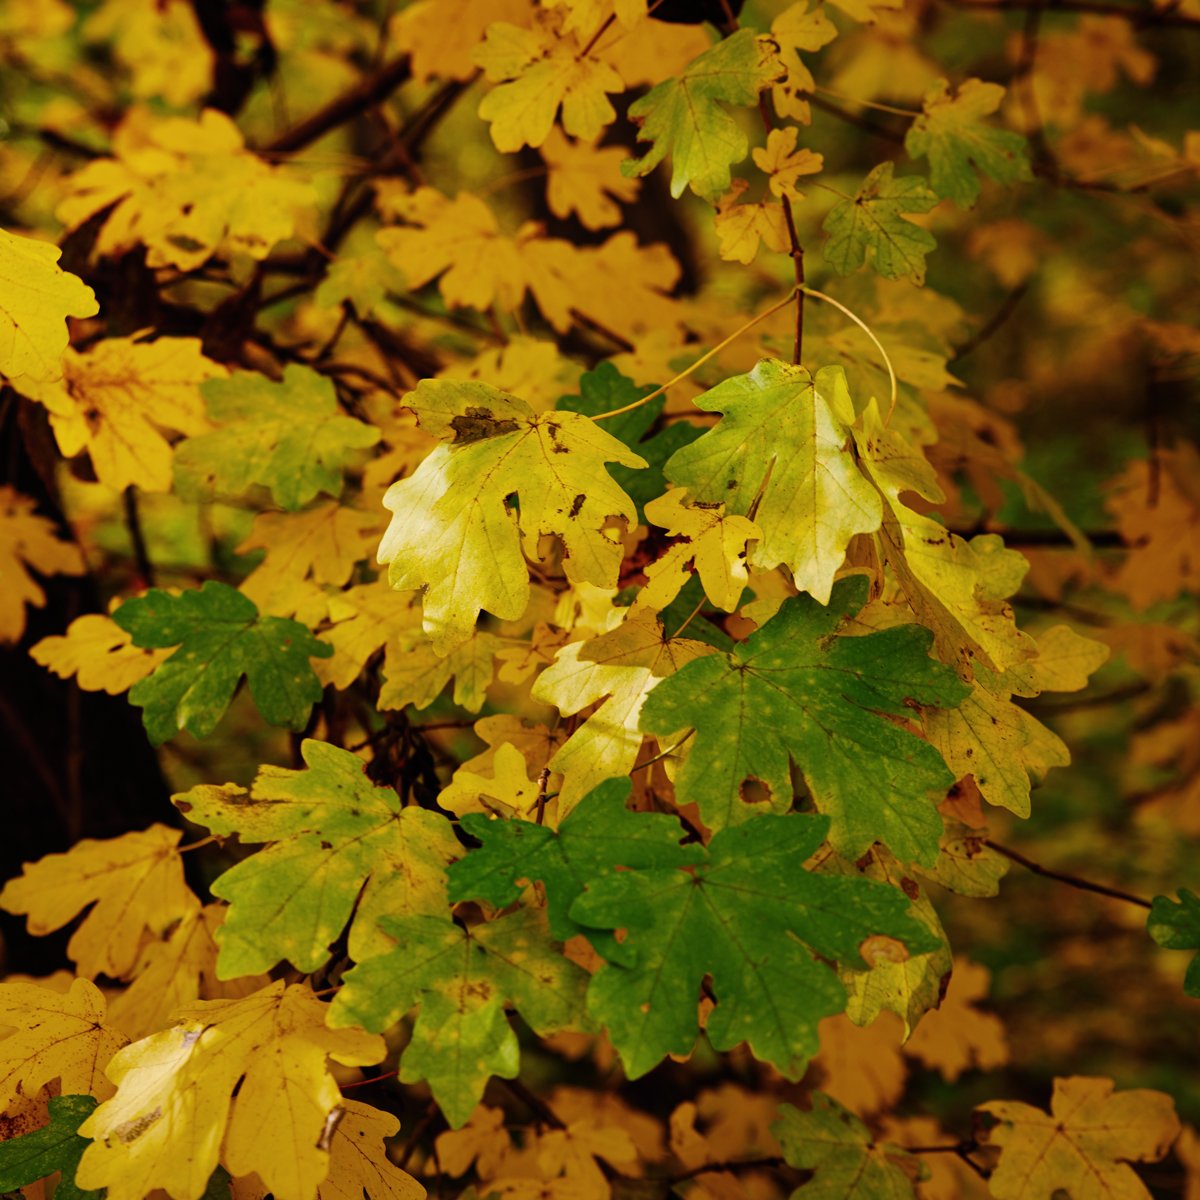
(598, 599)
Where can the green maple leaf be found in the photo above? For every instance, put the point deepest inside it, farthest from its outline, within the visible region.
(54, 1147)
(462, 979)
(746, 914)
(871, 227)
(599, 835)
(605, 389)
(796, 691)
(684, 115)
(784, 434)
(343, 849)
(958, 142)
(220, 637)
(847, 1164)
(456, 530)
(1175, 925)
(288, 436)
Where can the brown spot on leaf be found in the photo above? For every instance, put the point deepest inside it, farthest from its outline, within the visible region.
(879, 948)
(478, 423)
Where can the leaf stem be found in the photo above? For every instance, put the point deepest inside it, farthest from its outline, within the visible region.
(887, 362)
(737, 333)
(1084, 885)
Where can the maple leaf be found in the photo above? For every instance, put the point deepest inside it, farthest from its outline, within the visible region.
(54, 1035)
(1083, 1145)
(598, 836)
(955, 587)
(794, 691)
(176, 971)
(785, 164)
(742, 227)
(838, 1148)
(358, 1160)
(997, 742)
(483, 1142)
(323, 543)
(220, 637)
(537, 70)
(952, 134)
(746, 914)
(115, 399)
(342, 851)
(55, 1147)
(462, 979)
(585, 179)
(175, 1109)
(714, 545)
(782, 445)
(415, 673)
(38, 297)
(131, 884)
(364, 618)
(870, 227)
(440, 36)
(621, 668)
(98, 653)
(1175, 925)
(28, 541)
(798, 28)
(862, 1067)
(508, 791)
(684, 116)
(288, 436)
(956, 1034)
(186, 189)
(453, 531)
(604, 389)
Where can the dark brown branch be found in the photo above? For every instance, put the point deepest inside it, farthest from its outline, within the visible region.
(1051, 539)
(372, 90)
(536, 1105)
(1084, 885)
(733, 1164)
(993, 323)
(133, 522)
(861, 120)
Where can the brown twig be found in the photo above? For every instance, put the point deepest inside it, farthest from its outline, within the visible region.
(133, 522)
(1084, 885)
(733, 1164)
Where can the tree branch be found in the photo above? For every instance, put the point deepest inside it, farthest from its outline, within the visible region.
(1084, 885)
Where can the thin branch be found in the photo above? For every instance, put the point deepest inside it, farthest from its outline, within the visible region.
(363, 95)
(994, 322)
(1084, 885)
(133, 522)
(733, 1164)
(860, 120)
(536, 1105)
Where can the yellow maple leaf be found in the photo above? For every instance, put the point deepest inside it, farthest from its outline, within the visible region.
(957, 1035)
(186, 189)
(27, 542)
(508, 791)
(98, 653)
(135, 882)
(483, 1142)
(176, 970)
(574, 1152)
(453, 531)
(742, 227)
(322, 543)
(956, 587)
(358, 1161)
(585, 179)
(861, 1066)
(537, 70)
(38, 297)
(620, 668)
(55, 1035)
(175, 1115)
(798, 28)
(115, 399)
(784, 163)
(365, 618)
(415, 671)
(528, 367)
(440, 35)
(160, 45)
(1083, 1146)
(713, 545)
